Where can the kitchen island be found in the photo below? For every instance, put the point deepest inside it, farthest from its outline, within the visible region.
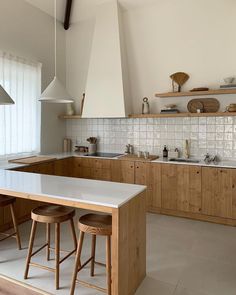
(125, 202)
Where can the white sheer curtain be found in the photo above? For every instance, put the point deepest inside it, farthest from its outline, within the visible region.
(20, 123)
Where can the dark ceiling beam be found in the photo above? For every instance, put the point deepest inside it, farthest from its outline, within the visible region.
(67, 14)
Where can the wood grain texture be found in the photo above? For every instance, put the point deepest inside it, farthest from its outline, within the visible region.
(181, 187)
(217, 192)
(32, 160)
(184, 115)
(154, 186)
(197, 93)
(129, 246)
(9, 286)
(96, 224)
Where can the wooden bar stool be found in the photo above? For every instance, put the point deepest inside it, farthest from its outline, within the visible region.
(50, 214)
(9, 201)
(96, 225)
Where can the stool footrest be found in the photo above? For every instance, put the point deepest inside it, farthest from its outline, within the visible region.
(13, 235)
(37, 251)
(62, 251)
(88, 285)
(100, 263)
(67, 256)
(42, 266)
(84, 264)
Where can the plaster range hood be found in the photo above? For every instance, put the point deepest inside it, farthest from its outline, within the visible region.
(107, 92)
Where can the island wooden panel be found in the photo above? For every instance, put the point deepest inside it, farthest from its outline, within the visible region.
(129, 246)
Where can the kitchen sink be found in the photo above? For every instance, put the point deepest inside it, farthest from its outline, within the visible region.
(184, 160)
(103, 155)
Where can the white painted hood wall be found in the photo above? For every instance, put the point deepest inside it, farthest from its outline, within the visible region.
(105, 90)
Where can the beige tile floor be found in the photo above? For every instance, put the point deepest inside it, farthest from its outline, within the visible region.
(184, 257)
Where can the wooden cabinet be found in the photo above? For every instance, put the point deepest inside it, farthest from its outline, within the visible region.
(181, 188)
(122, 171)
(218, 192)
(154, 186)
(24, 207)
(99, 169)
(42, 168)
(63, 167)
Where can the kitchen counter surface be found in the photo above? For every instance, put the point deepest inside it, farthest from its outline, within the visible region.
(4, 164)
(102, 193)
(221, 164)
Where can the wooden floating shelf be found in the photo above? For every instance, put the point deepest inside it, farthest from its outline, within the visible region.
(219, 114)
(197, 93)
(68, 117)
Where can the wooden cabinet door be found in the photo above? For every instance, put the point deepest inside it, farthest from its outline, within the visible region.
(142, 176)
(217, 191)
(101, 174)
(233, 172)
(122, 171)
(81, 168)
(154, 185)
(181, 187)
(127, 172)
(64, 167)
(169, 186)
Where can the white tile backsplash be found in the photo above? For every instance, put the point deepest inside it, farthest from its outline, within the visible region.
(216, 135)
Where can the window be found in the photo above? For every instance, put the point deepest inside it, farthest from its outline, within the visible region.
(20, 123)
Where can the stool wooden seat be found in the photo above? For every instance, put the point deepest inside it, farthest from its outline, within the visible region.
(9, 201)
(95, 225)
(50, 214)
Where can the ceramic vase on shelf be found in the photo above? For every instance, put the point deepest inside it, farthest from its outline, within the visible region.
(145, 106)
(70, 109)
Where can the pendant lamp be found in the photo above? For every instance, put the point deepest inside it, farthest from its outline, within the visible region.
(4, 97)
(55, 92)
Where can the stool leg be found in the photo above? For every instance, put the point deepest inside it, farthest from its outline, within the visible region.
(93, 255)
(15, 226)
(77, 263)
(48, 237)
(108, 264)
(73, 232)
(31, 244)
(57, 253)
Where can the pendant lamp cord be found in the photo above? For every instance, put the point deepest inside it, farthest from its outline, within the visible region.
(55, 37)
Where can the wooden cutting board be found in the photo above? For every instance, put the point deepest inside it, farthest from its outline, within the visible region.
(136, 158)
(32, 160)
(208, 105)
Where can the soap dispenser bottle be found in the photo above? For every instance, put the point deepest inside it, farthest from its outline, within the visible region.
(165, 152)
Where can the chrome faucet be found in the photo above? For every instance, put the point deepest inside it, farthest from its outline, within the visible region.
(207, 159)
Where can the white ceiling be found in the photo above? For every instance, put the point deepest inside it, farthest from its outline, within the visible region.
(82, 9)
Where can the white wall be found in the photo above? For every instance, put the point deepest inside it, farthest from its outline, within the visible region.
(78, 48)
(194, 36)
(28, 32)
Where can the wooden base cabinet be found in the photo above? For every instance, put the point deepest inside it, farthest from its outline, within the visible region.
(154, 187)
(218, 192)
(181, 187)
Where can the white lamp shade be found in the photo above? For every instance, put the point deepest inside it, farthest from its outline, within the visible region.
(56, 93)
(4, 97)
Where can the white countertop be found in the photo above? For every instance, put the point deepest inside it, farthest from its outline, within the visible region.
(94, 192)
(221, 164)
(4, 164)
